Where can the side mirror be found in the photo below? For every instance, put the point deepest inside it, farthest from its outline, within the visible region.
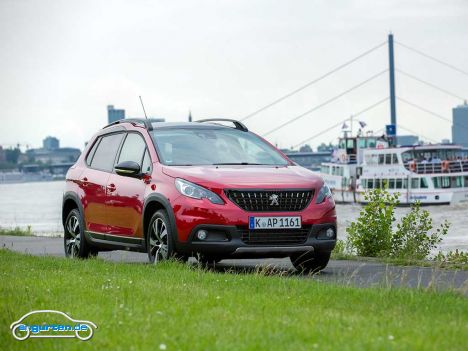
(128, 169)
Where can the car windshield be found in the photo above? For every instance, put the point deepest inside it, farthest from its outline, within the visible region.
(212, 146)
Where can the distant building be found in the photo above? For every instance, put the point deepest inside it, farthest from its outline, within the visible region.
(50, 143)
(2, 154)
(407, 140)
(49, 157)
(460, 125)
(51, 153)
(114, 114)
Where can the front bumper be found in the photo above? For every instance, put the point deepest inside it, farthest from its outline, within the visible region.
(229, 241)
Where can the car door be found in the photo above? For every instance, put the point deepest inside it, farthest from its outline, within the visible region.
(126, 194)
(94, 179)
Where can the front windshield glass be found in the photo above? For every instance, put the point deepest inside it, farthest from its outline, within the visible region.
(197, 146)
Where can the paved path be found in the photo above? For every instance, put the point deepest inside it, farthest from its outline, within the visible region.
(343, 272)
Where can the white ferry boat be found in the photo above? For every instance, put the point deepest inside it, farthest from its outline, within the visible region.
(431, 174)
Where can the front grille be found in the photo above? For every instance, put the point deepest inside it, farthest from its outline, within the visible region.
(264, 200)
(274, 236)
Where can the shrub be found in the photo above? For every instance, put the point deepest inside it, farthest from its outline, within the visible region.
(453, 257)
(16, 231)
(371, 234)
(412, 239)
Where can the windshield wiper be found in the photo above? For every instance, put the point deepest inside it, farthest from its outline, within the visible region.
(238, 163)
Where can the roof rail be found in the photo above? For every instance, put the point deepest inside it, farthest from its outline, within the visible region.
(143, 122)
(237, 124)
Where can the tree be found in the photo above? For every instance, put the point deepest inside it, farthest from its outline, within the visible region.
(305, 148)
(12, 155)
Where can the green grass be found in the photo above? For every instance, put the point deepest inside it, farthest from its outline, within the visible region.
(454, 260)
(140, 307)
(17, 231)
(402, 261)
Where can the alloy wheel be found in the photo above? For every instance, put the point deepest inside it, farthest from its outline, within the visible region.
(72, 237)
(158, 241)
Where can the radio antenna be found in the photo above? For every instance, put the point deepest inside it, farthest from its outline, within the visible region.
(143, 106)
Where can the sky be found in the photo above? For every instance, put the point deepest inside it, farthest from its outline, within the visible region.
(63, 62)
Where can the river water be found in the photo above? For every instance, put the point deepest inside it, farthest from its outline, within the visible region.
(39, 205)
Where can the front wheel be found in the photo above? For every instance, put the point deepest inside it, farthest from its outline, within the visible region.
(160, 242)
(310, 262)
(74, 241)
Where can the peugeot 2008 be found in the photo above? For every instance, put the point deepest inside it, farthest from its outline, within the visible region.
(202, 189)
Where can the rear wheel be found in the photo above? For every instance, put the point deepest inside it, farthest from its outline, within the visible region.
(310, 262)
(160, 241)
(74, 241)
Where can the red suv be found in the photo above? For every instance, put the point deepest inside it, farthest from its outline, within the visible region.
(202, 189)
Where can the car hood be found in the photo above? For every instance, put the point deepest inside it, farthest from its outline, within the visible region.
(224, 177)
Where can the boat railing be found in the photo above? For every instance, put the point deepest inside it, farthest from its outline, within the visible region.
(445, 166)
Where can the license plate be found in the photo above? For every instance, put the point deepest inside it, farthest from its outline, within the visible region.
(274, 222)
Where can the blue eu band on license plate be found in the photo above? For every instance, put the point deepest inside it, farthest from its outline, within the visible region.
(286, 222)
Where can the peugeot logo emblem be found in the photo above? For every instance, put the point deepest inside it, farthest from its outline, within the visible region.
(274, 200)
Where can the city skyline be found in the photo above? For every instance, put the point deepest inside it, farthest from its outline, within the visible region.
(59, 75)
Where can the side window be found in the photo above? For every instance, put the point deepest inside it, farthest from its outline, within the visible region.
(105, 153)
(424, 184)
(415, 183)
(133, 149)
(395, 159)
(377, 183)
(381, 159)
(388, 159)
(146, 165)
(399, 183)
(92, 151)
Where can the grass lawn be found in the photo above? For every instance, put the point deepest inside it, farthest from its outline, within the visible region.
(403, 261)
(178, 307)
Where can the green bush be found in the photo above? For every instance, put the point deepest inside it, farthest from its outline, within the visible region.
(412, 239)
(16, 231)
(453, 257)
(371, 234)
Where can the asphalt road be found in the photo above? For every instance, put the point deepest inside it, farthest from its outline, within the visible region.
(356, 273)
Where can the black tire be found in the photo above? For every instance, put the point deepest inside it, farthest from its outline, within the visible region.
(161, 246)
(310, 262)
(74, 240)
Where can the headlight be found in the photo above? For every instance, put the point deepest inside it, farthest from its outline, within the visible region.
(323, 194)
(196, 191)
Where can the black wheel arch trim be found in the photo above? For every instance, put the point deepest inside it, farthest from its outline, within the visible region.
(70, 195)
(165, 203)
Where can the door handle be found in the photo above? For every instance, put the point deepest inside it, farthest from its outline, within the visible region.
(111, 187)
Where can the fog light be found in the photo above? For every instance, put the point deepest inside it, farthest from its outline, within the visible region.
(202, 234)
(330, 233)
